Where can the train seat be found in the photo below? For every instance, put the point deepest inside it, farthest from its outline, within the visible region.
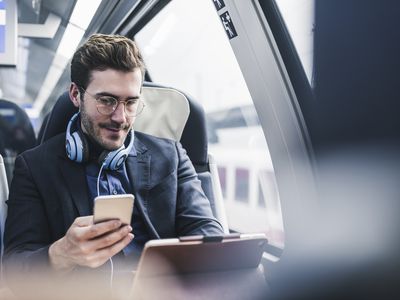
(16, 133)
(3, 206)
(171, 114)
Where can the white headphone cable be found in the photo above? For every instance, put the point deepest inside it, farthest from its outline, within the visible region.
(110, 259)
(111, 273)
(98, 179)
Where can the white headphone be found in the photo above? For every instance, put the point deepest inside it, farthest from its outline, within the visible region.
(77, 147)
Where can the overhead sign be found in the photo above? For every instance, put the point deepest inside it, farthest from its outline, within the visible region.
(8, 32)
(2, 26)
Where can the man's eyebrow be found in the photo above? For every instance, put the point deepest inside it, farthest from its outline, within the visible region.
(115, 96)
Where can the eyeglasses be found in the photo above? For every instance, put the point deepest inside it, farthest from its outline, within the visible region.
(106, 105)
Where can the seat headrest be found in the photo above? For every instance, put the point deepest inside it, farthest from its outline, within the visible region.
(58, 118)
(165, 115)
(16, 130)
(169, 113)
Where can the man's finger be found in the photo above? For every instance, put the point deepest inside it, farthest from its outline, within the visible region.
(96, 230)
(110, 251)
(83, 221)
(100, 257)
(110, 238)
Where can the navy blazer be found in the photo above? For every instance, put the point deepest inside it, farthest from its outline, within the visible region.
(49, 191)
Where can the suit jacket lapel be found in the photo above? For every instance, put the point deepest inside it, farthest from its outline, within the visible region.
(138, 168)
(75, 179)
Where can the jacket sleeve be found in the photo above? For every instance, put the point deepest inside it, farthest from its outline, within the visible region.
(193, 212)
(26, 236)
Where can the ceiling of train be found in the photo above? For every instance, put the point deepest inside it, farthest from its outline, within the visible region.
(21, 84)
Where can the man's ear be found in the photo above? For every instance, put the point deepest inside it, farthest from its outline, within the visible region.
(74, 94)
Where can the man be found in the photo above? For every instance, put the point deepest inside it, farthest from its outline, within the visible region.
(50, 207)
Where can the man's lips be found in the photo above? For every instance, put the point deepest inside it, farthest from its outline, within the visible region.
(113, 129)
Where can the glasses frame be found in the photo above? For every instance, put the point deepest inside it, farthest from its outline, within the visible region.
(115, 106)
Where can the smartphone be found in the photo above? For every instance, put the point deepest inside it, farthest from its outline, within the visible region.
(113, 207)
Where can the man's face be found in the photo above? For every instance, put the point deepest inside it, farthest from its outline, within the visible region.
(109, 131)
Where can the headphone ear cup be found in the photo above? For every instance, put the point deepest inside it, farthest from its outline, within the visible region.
(115, 159)
(70, 147)
(76, 144)
(76, 147)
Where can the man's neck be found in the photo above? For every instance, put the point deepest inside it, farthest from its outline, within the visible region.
(94, 148)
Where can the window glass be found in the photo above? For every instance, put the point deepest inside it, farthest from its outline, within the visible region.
(185, 46)
(242, 185)
(299, 19)
(261, 198)
(222, 179)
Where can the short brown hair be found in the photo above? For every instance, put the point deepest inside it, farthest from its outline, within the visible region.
(101, 52)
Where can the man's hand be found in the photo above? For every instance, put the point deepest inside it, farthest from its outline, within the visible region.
(88, 244)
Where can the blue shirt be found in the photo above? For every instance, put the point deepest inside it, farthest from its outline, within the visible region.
(117, 182)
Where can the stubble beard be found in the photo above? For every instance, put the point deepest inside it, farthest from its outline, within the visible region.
(95, 135)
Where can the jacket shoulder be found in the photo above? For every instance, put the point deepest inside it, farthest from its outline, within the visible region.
(53, 146)
(152, 142)
(147, 137)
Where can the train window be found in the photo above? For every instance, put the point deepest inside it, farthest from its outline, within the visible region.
(242, 185)
(299, 19)
(185, 46)
(222, 180)
(261, 197)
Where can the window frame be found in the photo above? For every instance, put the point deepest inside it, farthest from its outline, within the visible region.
(279, 94)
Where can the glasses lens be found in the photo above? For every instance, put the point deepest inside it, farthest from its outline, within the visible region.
(106, 105)
(134, 108)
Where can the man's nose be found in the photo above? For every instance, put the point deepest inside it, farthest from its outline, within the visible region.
(119, 114)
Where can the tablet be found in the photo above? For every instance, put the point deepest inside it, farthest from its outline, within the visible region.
(195, 254)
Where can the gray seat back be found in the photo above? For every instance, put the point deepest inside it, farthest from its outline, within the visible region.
(3, 206)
